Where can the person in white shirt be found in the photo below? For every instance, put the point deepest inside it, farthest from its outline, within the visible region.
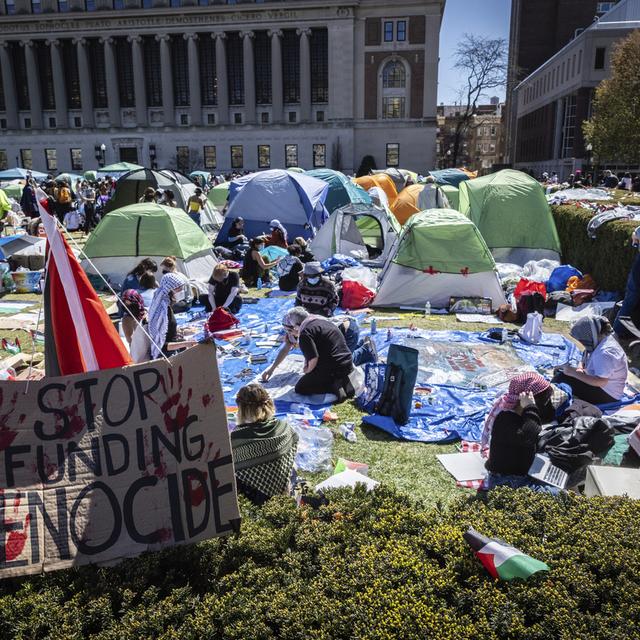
(602, 376)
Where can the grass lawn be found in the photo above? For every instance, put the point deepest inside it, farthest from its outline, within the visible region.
(410, 466)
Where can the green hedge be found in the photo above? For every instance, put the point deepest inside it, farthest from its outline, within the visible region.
(608, 258)
(376, 566)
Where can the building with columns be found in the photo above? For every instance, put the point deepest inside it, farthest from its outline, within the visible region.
(218, 84)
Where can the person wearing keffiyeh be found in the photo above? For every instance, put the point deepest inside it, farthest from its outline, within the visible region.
(134, 310)
(602, 375)
(512, 429)
(161, 321)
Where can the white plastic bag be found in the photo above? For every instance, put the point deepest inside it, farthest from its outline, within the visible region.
(532, 330)
(314, 446)
(362, 275)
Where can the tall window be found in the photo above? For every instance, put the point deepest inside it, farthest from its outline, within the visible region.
(180, 69)
(124, 63)
(4, 163)
(291, 66)
(262, 64)
(394, 89)
(51, 159)
(237, 159)
(235, 68)
(208, 77)
(210, 157)
(152, 73)
(401, 30)
(319, 156)
(95, 53)
(76, 159)
(600, 56)
(264, 156)
(2, 104)
(20, 74)
(393, 154)
(568, 126)
(388, 31)
(36, 6)
(71, 74)
(63, 6)
(319, 50)
(290, 155)
(26, 158)
(182, 158)
(10, 7)
(45, 74)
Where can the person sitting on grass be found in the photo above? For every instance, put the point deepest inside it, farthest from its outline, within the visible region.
(306, 255)
(602, 376)
(512, 429)
(254, 265)
(224, 289)
(328, 360)
(316, 293)
(278, 235)
(263, 447)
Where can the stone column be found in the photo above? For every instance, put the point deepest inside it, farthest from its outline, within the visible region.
(249, 77)
(139, 85)
(111, 73)
(305, 75)
(277, 98)
(195, 96)
(86, 82)
(221, 78)
(168, 104)
(59, 89)
(431, 58)
(9, 87)
(35, 99)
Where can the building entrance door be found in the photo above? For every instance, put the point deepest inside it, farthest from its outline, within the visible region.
(129, 154)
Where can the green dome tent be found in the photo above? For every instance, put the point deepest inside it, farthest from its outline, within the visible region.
(146, 230)
(218, 195)
(440, 254)
(511, 211)
(453, 195)
(341, 190)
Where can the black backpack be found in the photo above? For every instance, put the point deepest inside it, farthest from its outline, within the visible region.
(400, 377)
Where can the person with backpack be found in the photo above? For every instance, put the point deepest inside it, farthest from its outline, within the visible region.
(328, 360)
(63, 200)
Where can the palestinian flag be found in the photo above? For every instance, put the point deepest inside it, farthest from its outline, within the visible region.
(500, 559)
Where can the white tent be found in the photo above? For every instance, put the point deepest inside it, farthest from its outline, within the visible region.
(363, 232)
(440, 254)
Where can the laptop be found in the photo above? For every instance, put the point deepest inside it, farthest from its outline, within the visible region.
(543, 470)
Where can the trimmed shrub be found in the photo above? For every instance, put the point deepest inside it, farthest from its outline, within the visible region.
(375, 565)
(608, 258)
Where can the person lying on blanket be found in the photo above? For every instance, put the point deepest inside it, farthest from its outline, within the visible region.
(328, 360)
(602, 376)
(362, 351)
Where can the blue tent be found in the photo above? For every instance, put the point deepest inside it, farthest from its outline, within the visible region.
(296, 199)
(341, 190)
(451, 177)
(18, 173)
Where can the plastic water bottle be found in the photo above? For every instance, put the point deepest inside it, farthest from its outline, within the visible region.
(259, 283)
(347, 431)
(427, 308)
(374, 327)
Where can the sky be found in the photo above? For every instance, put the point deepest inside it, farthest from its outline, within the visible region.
(478, 17)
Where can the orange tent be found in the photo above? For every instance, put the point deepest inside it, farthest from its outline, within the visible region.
(416, 198)
(380, 180)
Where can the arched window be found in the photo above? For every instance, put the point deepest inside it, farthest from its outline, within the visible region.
(394, 76)
(394, 81)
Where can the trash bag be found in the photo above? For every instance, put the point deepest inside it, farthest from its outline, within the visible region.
(314, 446)
(401, 373)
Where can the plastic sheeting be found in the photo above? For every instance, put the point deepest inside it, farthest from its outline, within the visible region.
(456, 389)
(572, 195)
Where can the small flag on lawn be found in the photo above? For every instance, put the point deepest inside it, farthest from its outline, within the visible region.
(501, 560)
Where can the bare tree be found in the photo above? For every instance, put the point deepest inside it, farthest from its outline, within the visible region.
(484, 61)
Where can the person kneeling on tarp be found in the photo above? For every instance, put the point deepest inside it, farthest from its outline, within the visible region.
(328, 362)
(224, 289)
(602, 376)
(263, 446)
(511, 430)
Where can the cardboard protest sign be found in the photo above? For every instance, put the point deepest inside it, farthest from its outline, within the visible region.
(101, 466)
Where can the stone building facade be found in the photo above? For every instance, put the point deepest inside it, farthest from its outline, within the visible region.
(218, 85)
